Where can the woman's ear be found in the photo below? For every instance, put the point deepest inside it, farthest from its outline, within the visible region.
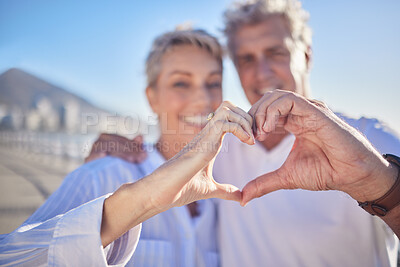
(152, 98)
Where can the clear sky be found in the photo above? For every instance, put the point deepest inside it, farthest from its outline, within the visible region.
(97, 49)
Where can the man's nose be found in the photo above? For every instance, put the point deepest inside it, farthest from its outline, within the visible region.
(264, 69)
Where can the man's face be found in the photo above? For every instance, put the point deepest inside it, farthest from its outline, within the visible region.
(266, 58)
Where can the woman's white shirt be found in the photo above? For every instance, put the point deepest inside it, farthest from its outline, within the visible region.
(65, 230)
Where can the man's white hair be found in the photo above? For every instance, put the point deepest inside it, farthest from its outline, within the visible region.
(255, 11)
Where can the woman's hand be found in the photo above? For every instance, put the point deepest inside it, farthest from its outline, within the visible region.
(328, 154)
(185, 178)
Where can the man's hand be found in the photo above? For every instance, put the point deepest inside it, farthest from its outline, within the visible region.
(118, 146)
(328, 154)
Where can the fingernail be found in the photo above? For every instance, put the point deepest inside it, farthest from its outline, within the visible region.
(265, 127)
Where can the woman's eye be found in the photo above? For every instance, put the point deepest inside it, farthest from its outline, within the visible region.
(215, 85)
(181, 85)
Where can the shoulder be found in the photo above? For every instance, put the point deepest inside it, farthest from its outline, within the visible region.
(99, 166)
(107, 172)
(102, 164)
(384, 138)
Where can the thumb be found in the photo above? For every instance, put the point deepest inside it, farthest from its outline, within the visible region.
(227, 192)
(262, 185)
(138, 139)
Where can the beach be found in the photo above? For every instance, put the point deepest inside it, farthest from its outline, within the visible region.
(27, 179)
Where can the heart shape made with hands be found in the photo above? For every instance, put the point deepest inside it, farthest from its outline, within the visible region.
(328, 154)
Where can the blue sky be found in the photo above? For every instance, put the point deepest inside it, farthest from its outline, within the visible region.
(97, 49)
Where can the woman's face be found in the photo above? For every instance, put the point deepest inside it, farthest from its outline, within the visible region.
(188, 88)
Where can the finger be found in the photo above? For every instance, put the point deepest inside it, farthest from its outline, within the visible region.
(236, 118)
(227, 192)
(137, 150)
(282, 106)
(262, 185)
(226, 114)
(260, 113)
(138, 139)
(237, 130)
(98, 146)
(240, 111)
(268, 95)
(251, 112)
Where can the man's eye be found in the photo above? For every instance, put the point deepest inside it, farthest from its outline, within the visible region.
(279, 53)
(246, 59)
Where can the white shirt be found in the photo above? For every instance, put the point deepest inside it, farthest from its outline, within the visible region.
(298, 227)
(171, 238)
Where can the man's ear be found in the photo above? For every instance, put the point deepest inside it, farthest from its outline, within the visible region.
(309, 58)
(152, 98)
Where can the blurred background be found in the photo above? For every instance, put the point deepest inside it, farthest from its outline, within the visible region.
(71, 69)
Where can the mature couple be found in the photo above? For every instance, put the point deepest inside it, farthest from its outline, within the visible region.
(160, 213)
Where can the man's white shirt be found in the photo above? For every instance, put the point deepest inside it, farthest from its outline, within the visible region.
(298, 227)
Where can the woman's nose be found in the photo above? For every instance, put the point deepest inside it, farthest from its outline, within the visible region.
(202, 97)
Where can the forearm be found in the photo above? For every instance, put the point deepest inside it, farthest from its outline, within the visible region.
(129, 206)
(136, 202)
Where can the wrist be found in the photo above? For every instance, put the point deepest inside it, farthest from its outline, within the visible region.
(380, 183)
(382, 205)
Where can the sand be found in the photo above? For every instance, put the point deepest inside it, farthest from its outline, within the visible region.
(26, 181)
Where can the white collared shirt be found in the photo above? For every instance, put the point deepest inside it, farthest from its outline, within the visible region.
(55, 235)
(298, 227)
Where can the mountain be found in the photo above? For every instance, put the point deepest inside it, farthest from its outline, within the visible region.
(30, 103)
(23, 90)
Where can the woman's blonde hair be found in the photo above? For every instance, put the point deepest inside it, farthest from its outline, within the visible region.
(167, 41)
(256, 11)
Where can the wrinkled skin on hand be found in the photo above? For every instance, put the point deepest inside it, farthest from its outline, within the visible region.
(328, 154)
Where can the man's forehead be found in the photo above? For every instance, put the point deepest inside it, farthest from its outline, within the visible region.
(271, 30)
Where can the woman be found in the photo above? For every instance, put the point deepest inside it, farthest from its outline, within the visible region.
(184, 71)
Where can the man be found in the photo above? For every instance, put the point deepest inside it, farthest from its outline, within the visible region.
(270, 45)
